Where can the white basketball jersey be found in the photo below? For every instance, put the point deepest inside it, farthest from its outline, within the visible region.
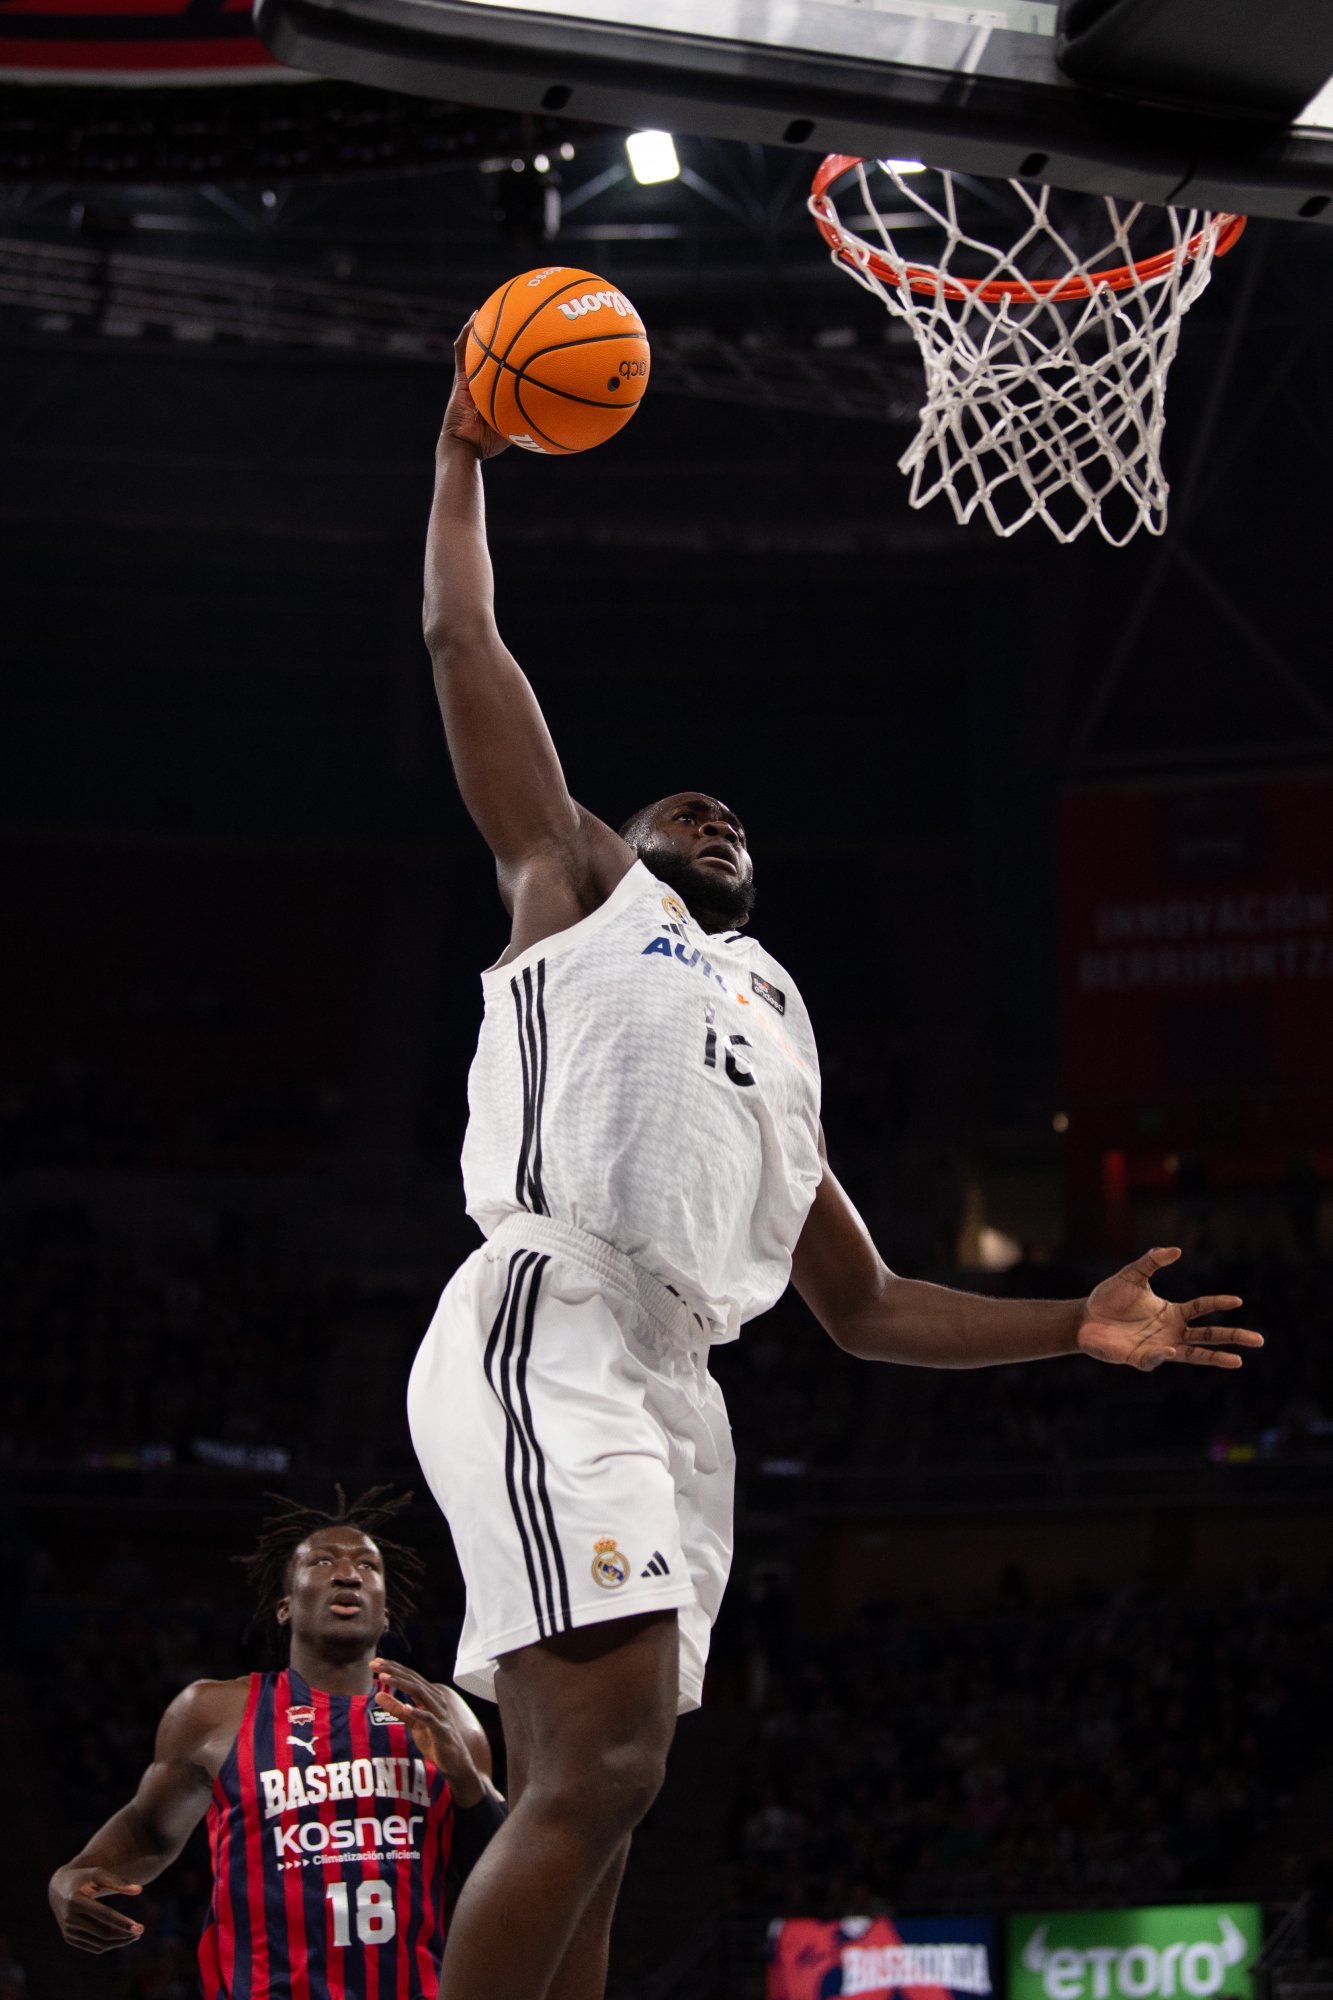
(656, 1087)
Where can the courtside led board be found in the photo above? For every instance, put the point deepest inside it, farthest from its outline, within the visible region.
(1184, 1951)
(882, 1958)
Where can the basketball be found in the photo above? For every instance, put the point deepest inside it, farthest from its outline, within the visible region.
(557, 360)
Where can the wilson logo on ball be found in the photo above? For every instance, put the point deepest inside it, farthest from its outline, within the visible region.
(592, 302)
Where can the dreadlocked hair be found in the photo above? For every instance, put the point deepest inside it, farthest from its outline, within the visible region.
(282, 1533)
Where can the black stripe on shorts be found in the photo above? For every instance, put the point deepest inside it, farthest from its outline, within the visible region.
(507, 1352)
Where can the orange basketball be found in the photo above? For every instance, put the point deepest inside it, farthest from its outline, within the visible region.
(557, 360)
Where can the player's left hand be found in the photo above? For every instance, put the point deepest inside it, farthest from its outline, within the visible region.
(431, 1721)
(1125, 1321)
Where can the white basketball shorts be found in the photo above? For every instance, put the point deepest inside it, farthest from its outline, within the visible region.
(564, 1416)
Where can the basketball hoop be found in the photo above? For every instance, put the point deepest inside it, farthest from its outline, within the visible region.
(1045, 394)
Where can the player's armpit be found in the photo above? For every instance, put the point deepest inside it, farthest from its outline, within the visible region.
(553, 888)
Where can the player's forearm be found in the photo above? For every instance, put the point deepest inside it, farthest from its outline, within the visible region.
(128, 1845)
(929, 1326)
(459, 597)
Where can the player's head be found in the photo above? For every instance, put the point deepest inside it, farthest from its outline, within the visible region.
(696, 845)
(328, 1577)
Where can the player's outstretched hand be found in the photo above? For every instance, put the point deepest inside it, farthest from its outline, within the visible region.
(431, 1720)
(1125, 1321)
(462, 418)
(85, 1921)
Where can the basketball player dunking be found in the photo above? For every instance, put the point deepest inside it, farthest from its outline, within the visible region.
(646, 1160)
(335, 1789)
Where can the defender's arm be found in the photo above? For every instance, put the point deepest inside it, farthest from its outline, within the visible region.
(444, 1729)
(145, 1836)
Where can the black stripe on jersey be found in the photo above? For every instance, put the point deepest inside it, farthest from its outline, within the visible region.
(537, 1002)
(529, 1499)
(508, 1309)
(530, 1020)
(521, 1178)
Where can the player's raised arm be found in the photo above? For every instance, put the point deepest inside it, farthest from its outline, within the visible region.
(503, 756)
(145, 1836)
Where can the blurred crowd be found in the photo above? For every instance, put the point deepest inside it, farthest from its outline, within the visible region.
(203, 1344)
(137, 1358)
(1089, 1748)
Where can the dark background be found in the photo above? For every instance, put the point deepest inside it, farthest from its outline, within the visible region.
(1021, 1639)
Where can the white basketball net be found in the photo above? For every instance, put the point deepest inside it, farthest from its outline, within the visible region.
(1045, 397)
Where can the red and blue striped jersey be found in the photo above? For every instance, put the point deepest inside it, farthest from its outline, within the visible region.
(330, 1836)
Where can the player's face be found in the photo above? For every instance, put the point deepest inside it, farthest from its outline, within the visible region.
(335, 1590)
(698, 845)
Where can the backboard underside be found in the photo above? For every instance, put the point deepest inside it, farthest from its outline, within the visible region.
(984, 89)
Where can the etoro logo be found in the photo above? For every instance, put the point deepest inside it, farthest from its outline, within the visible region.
(1186, 1953)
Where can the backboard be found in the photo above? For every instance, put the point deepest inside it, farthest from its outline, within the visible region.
(1218, 104)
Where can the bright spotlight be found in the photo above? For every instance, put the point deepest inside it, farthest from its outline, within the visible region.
(652, 157)
(904, 166)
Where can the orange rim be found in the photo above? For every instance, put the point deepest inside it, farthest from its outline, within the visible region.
(924, 278)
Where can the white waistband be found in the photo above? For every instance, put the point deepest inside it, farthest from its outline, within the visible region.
(665, 1311)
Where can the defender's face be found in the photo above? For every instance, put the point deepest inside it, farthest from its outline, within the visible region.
(705, 835)
(335, 1589)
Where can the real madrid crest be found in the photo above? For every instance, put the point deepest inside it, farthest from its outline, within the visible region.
(675, 909)
(609, 1566)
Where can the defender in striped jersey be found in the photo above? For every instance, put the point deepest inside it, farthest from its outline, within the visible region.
(337, 1792)
(645, 1158)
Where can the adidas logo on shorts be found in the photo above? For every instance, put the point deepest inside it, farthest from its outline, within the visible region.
(657, 1565)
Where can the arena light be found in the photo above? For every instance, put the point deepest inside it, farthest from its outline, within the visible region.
(652, 157)
(904, 166)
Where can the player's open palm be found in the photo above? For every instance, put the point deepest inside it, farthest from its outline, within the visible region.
(425, 1709)
(85, 1920)
(1126, 1322)
(462, 418)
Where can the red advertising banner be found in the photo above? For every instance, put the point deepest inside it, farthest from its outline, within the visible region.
(132, 41)
(880, 1958)
(1196, 946)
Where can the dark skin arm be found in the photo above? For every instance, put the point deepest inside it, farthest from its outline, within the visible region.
(147, 1835)
(442, 1726)
(871, 1312)
(555, 861)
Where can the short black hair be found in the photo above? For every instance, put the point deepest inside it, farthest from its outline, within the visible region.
(637, 823)
(281, 1535)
